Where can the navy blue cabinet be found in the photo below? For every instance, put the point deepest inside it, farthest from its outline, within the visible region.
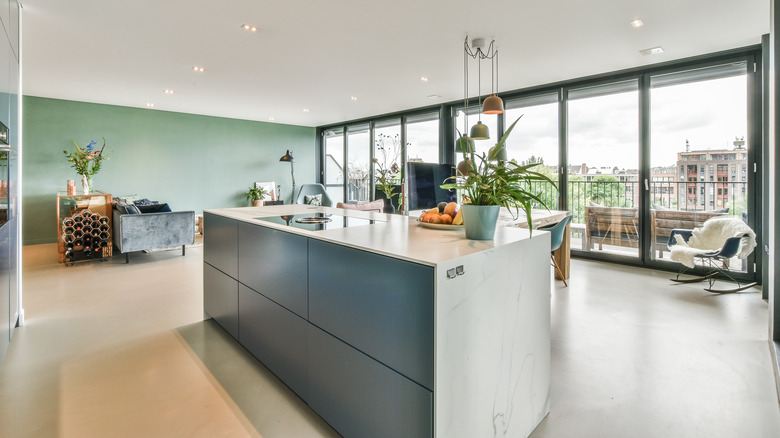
(379, 305)
(274, 263)
(220, 298)
(276, 336)
(360, 397)
(220, 243)
(349, 331)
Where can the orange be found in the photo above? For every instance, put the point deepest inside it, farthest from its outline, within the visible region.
(446, 219)
(450, 209)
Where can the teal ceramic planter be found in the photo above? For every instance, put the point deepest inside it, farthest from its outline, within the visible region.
(479, 221)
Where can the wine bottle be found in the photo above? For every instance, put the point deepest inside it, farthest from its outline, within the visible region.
(86, 213)
(67, 222)
(95, 217)
(77, 234)
(68, 230)
(104, 220)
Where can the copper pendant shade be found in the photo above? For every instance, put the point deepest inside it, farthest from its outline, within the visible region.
(493, 105)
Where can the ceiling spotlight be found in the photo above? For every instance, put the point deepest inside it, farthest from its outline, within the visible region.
(149, 104)
(637, 23)
(198, 69)
(306, 110)
(424, 78)
(249, 27)
(168, 91)
(271, 119)
(434, 96)
(652, 51)
(352, 98)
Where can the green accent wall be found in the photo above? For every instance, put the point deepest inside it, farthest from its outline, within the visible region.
(190, 161)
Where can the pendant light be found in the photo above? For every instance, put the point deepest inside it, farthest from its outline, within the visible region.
(493, 104)
(479, 131)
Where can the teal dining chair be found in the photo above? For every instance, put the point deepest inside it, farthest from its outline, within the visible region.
(556, 238)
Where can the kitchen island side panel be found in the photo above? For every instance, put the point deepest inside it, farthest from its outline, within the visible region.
(493, 341)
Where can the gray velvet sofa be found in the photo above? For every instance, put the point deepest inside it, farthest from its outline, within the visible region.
(151, 227)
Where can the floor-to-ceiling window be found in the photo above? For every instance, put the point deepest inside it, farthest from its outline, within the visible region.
(388, 150)
(699, 152)
(620, 147)
(603, 174)
(422, 138)
(333, 163)
(358, 163)
(534, 139)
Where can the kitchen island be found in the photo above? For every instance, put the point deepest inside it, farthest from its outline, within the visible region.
(383, 327)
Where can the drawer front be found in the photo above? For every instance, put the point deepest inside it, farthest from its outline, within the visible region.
(220, 298)
(274, 335)
(379, 305)
(360, 397)
(220, 243)
(274, 263)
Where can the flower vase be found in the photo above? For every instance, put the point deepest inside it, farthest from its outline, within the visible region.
(389, 207)
(86, 183)
(479, 221)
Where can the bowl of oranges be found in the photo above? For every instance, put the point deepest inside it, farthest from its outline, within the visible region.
(445, 216)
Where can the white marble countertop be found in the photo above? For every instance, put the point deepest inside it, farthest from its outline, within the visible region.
(392, 235)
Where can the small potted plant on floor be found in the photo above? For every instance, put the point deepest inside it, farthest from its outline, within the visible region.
(489, 181)
(255, 194)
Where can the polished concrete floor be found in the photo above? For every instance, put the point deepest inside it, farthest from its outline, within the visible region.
(116, 350)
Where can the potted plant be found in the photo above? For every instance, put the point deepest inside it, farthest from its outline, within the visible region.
(387, 171)
(489, 182)
(255, 194)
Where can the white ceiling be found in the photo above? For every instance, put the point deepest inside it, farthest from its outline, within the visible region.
(317, 54)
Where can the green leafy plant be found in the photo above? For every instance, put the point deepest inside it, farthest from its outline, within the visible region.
(485, 179)
(387, 172)
(87, 160)
(255, 193)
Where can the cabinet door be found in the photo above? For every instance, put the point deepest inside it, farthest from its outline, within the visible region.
(274, 263)
(220, 243)
(379, 305)
(360, 397)
(274, 335)
(220, 298)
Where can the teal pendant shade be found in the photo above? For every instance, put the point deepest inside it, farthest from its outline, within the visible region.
(480, 131)
(459, 144)
(479, 221)
(497, 155)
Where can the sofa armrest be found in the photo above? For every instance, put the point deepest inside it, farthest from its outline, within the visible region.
(136, 232)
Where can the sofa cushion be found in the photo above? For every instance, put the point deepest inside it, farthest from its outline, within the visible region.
(154, 208)
(132, 209)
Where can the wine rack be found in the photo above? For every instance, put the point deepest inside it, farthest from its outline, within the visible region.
(84, 230)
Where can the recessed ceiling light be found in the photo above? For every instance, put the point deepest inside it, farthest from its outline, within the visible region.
(198, 69)
(271, 119)
(352, 98)
(424, 78)
(652, 51)
(168, 91)
(150, 104)
(306, 110)
(637, 23)
(434, 96)
(249, 27)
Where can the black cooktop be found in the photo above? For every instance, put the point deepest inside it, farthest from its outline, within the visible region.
(317, 221)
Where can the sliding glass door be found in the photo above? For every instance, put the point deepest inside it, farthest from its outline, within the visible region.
(333, 142)
(603, 171)
(699, 153)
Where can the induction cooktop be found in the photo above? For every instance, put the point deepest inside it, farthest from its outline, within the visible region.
(317, 221)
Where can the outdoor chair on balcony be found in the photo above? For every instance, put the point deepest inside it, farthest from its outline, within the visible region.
(712, 246)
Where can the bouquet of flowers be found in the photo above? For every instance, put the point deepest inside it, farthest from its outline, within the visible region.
(87, 160)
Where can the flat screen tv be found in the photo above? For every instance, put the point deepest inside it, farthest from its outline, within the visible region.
(425, 180)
